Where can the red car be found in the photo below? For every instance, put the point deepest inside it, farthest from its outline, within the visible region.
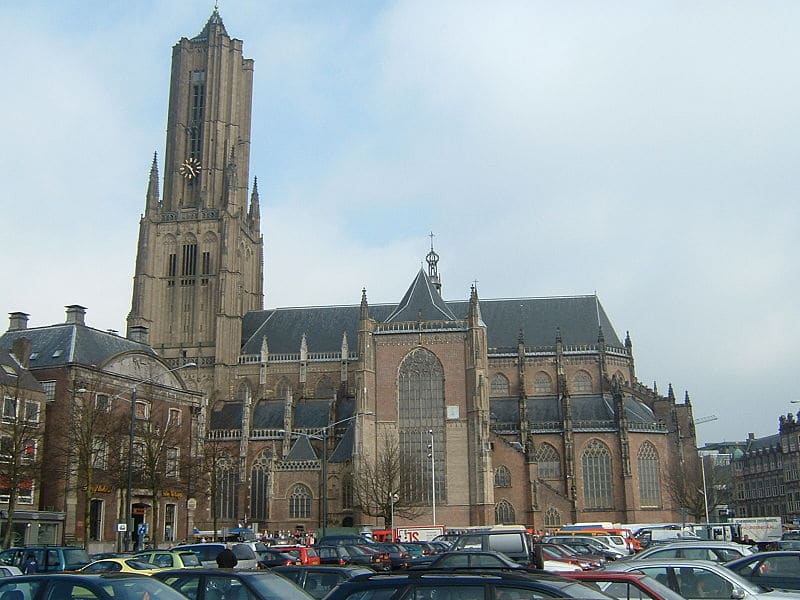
(307, 555)
(625, 585)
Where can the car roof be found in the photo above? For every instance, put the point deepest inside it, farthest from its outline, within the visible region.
(474, 574)
(673, 562)
(762, 555)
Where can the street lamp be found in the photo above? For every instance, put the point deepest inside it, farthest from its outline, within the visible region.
(324, 438)
(697, 421)
(131, 434)
(433, 475)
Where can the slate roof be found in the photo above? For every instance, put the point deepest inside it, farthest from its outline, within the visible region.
(578, 318)
(14, 376)
(302, 450)
(65, 343)
(547, 409)
(308, 414)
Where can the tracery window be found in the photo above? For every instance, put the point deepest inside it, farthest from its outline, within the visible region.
(552, 518)
(499, 385)
(300, 502)
(504, 513)
(542, 383)
(649, 476)
(260, 487)
(502, 477)
(549, 462)
(283, 389)
(582, 382)
(596, 461)
(421, 423)
(227, 482)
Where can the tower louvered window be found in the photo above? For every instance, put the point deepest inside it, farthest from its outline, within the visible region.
(198, 101)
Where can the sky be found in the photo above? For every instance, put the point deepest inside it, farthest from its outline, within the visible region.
(643, 151)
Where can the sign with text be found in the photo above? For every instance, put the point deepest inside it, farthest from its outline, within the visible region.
(417, 534)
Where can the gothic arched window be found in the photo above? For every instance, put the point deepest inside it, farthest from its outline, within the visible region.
(282, 389)
(300, 502)
(227, 476)
(499, 385)
(243, 393)
(542, 383)
(549, 462)
(582, 382)
(347, 492)
(649, 476)
(502, 477)
(504, 513)
(260, 487)
(420, 391)
(324, 388)
(552, 518)
(596, 461)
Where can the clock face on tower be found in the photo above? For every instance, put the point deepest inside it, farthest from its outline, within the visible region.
(190, 168)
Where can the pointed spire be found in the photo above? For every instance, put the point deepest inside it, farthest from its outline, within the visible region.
(628, 343)
(433, 270)
(474, 305)
(364, 305)
(345, 347)
(255, 209)
(686, 399)
(601, 338)
(303, 349)
(655, 388)
(670, 392)
(264, 349)
(214, 23)
(153, 195)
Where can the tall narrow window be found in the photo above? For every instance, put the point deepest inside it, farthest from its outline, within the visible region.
(548, 461)
(227, 485)
(300, 502)
(172, 463)
(348, 494)
(172, 265)
(260, 487)
(504, 513)
(421, 404)
(169, 523)
(596, 463)
(96, 520)
(189, 260)
(649, 476)
(198, 101)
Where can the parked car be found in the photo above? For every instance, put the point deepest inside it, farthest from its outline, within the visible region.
(699, 579)
(130, 564)
(597, 546)
(306, 554)
(471, 559)
(461, 586)
(626, 586)
(555, 552)
(338, 540)
(9, 571)
(207, 552)
(399, 557)
(700, 550)
(170, 559)
(86, 586)
(215, 584)
(517, 544)
(368, 555)
(49, 559)
(780, 569)
(318, 580)
(274, 558)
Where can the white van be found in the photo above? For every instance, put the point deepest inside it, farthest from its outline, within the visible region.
(207, 553)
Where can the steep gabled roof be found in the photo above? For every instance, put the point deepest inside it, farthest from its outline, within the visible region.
(14, 376)
(302, 450)
(422, 302)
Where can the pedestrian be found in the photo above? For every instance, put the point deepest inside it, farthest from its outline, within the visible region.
(227, 559)
(30, 566)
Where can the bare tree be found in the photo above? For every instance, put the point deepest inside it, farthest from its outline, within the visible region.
(381, 485)
(20, 444)
(687, 490)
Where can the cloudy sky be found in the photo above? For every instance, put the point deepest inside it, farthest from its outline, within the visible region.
(645, 151)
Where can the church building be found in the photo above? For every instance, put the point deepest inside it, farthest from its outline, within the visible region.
(467, 411)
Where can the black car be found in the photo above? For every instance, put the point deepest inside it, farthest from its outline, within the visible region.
(274, 558)
(470, 560)
(399, 557)
(218, 584)
(86, 586)
(318, 580)
(780, 569)
(354, 555)
(462, 586)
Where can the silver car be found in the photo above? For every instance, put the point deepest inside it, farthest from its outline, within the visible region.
(720, 552)
(700, 579)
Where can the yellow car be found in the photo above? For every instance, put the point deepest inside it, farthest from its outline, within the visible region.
(121, 565)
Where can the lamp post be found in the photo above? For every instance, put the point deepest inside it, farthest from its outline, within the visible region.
(324, 438)
(433, 476)
(131, 434)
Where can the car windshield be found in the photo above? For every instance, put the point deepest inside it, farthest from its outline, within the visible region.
(75, 558)
(139, 587)
(140, 565)
(271, 585)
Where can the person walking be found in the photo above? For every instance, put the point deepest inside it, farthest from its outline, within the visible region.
(226, 559)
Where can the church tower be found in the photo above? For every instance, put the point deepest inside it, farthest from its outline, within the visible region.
(199, 263)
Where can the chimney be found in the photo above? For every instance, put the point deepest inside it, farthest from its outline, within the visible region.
(17, 321)
(22, 350)
(76, 314)
(139, 333)
(751, 436)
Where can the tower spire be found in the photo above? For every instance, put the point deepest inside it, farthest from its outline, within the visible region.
(153, 196)
(255, 209)
(433, 266)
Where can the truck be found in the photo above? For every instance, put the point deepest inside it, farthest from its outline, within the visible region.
(759, 529)
(417, 534)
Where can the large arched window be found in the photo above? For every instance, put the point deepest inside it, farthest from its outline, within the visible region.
(649, 476)
(499, 385)
(542, 383)
(504, 513)
(596, 461)
(348, 493)
(502, 477)
(227, 476)
(548, 461)
(260, 487)
(282, 389)
(582, 382)
(420, 390)
(552, 518)
(300, 502)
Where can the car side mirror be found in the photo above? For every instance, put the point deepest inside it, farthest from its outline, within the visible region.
(737, 593)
